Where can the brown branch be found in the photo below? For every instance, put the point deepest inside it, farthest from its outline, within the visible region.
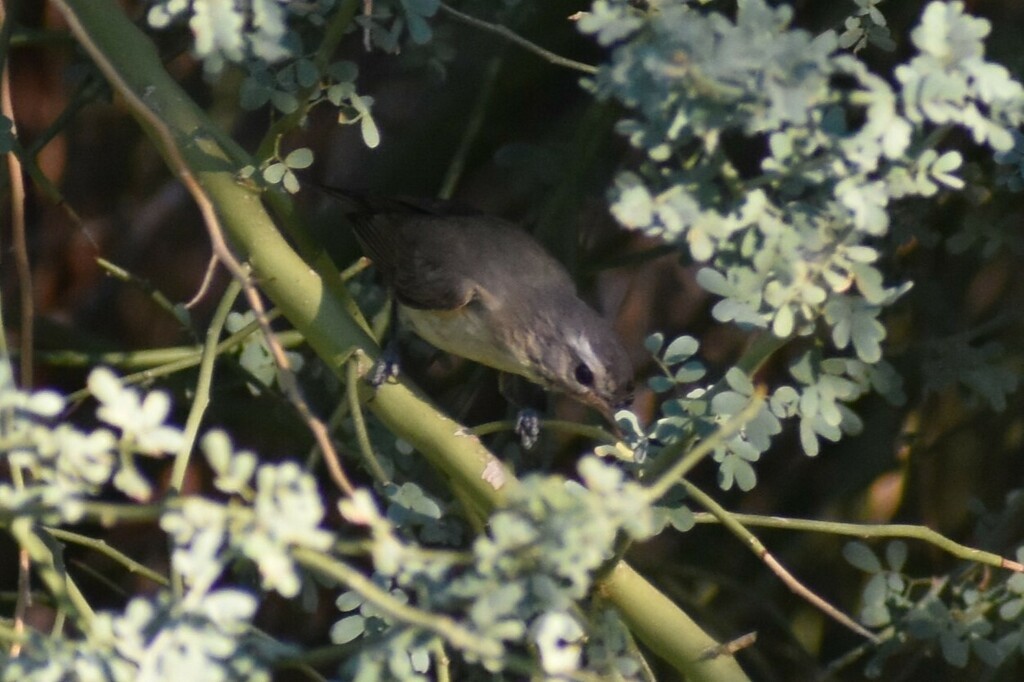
(758, 548)
(286, 377)
(24, 272)
(513, 37)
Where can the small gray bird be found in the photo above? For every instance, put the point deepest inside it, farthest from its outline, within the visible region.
(481, 288)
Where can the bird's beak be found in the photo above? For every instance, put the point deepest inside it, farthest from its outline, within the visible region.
(602, 407)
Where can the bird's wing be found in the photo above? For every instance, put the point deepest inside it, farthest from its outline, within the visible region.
(413, 257)
(433, 286)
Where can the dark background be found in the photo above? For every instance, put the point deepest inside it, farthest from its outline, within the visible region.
(544, 156)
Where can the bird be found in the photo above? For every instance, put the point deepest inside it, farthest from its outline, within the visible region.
(482, 288)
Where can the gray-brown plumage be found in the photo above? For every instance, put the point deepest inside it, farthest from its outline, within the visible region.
(479, 287)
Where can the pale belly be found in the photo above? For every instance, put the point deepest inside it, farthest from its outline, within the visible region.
(465, 333)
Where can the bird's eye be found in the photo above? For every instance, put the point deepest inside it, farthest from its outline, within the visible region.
(583, 375)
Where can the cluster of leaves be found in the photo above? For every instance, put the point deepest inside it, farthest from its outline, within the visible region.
(867, 26)
(255, 355)
(792, 248)
(515, 595)
(276, 45)
(155, 639)
(520, 587)
(819, 400)
(61, 470)
(793, 245)
(66, 465)
(957, 616)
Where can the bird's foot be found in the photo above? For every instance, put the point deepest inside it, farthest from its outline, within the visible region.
(386, 367)
(527, 427)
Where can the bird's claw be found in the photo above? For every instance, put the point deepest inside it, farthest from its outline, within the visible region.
(386, 367)
(527, 427)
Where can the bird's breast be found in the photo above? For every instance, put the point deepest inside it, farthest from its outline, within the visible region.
(470, 332)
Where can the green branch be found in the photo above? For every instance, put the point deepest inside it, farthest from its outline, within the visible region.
(444, 626)
(869, 530)
(308, 294)
(754, 544)
(101, 547)
(657, 622)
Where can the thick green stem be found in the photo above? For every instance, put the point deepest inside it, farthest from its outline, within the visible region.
(665, 629)
(308, 296)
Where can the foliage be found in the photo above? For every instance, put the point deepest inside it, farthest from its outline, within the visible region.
(793, 241)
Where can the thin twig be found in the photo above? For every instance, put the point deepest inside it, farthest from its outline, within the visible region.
(51, 571)
(862, 530)
(757, 547)
(24, 273)
(19, 242)
(561, 425)
(730, 648)
(204, 286)
(359, 421)
(286, 377)
(471, 131)
(452, 631)
(157, 296)
(513, 37)
(203, 384)
(188, 358)
(442, 663)
(24, 597)
(101, 546)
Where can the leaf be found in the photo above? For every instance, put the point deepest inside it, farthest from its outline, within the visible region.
(862, 557)
(306, 73)
(681, 518)
(290, 183)
(426, 8)
(299, 158)
(954, 648)
(714, 282)
(252, 94)
(217, 448)
(690, 372)
(782, 325)
(943, 168)
(876, 591)
(629, 424)
(343, 71)
(808, 438)
(896, 555)
(680, 350)
(419, 29)
(1010, 610)
(654, 342)
(274, 173)
(348, 601)
(875, 615)
(368, 129)
(634, 207)
(746, 478)
(660, 384)
(728, 403)
(739, 381)
(348, 629)
(285, 102)
(861, 254)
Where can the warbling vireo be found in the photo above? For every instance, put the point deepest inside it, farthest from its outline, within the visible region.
(481, 288)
